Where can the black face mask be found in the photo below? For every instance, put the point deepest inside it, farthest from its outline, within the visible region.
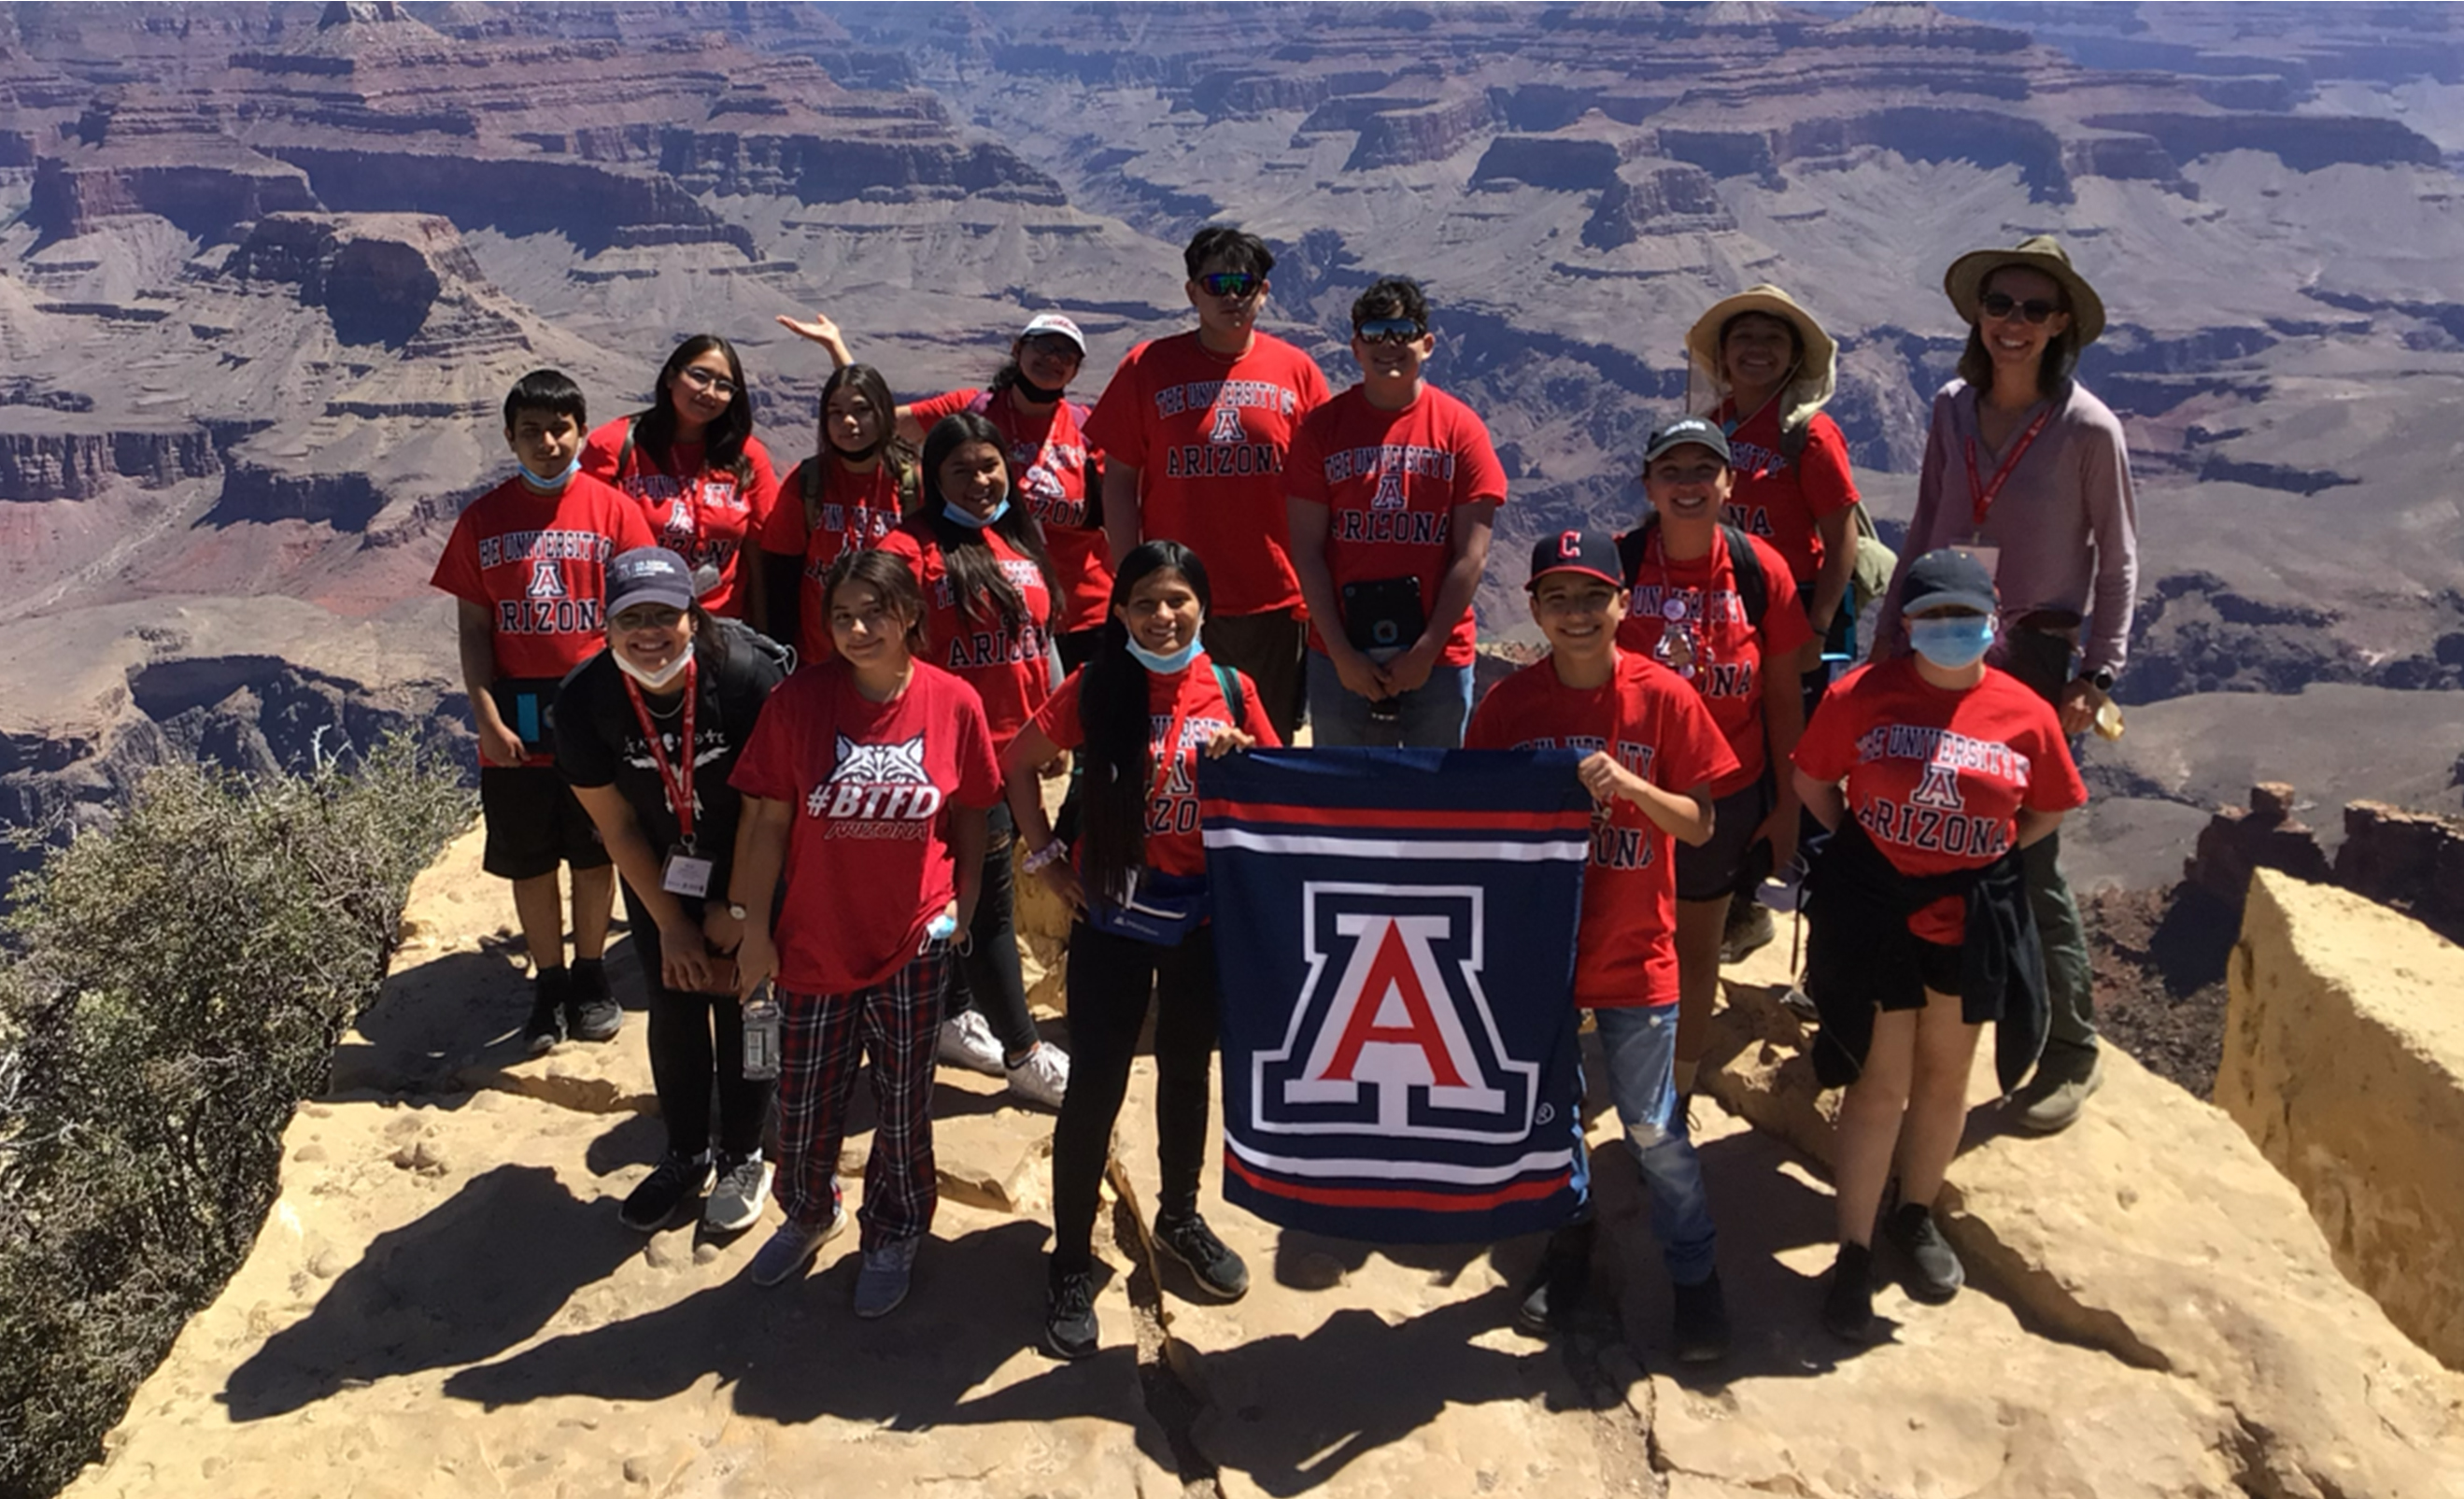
(1040, 395)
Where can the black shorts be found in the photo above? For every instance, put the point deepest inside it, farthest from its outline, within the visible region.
(1732, 862)
(534, 823)
(1938, 967)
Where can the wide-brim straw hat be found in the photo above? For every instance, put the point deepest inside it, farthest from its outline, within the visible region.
(1965, 281)
(1808, 389)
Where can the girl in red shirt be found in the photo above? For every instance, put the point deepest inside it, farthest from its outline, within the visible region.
(988, 590)
(703, 481)
(857, 486)
(866, 782)
(1945, 767)
(1148, 704)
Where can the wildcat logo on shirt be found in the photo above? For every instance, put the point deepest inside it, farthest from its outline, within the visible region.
(1392, 1034)
(877, 791)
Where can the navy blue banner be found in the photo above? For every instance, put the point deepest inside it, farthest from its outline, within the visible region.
(1394, 931)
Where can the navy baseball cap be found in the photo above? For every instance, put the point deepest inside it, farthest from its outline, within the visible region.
(1947, 577)
(649, 575)
(1694, 430)
(1591, 553)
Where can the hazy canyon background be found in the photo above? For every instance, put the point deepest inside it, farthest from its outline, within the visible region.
(265, 271)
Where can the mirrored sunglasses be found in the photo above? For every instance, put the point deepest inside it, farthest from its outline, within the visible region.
(2001, 304)
(1229, 283)
(1389, 330)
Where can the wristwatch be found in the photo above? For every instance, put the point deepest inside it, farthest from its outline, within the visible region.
(737, 911)
(2102, 678)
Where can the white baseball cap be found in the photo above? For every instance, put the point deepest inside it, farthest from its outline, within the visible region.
(1054, 323)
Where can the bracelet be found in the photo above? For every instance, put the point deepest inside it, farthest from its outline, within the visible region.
(1038, 860)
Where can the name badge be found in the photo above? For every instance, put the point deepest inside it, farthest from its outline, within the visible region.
(1989, 558)
(685, 875)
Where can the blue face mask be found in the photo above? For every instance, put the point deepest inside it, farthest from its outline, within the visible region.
(1165, 666)
(556, 482)
(974, 522)
(1951, 642)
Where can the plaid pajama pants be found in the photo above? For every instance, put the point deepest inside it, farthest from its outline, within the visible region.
(823, 1039)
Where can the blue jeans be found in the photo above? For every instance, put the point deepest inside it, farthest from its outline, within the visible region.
(1429, 717)
(1641, 1048)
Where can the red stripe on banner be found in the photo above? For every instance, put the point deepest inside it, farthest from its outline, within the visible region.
(1397, 817)
(1398, 1197)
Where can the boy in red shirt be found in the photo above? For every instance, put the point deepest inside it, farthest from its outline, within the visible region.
(1652, 752)
(1391, 489)
(527, 563)
(1193, 430)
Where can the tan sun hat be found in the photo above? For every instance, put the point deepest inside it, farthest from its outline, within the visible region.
(1809, 388)
(1965, 281)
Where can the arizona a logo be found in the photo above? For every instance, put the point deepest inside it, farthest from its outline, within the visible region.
(1389, 490)
(1227, 425)
(546, 581)
(1392, 1034)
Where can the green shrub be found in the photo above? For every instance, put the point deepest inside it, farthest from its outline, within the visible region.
(176, 986)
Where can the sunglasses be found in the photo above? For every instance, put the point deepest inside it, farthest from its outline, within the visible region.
(1053, 346)
(1389, 330)
(2001, 304)
(649, 616)
(701, 378)
(1239, 284)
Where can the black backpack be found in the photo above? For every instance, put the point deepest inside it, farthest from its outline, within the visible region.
(1753, 589)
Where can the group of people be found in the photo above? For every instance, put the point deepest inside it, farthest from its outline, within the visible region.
(806, 723)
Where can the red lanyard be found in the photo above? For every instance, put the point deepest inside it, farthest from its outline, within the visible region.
(1982, 494)
(678, 778)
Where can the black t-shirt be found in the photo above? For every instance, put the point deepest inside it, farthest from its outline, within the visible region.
(599, 740)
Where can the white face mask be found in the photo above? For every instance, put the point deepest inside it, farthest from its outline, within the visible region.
(656, 681)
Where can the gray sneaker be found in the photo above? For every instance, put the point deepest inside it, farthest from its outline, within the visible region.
(792, 1248)
(735, 1204)
(882, 1283)
(2053, 1099)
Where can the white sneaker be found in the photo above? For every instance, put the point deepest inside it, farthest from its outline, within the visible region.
(736, 1202)
(1044, 1077)
(968, 1041)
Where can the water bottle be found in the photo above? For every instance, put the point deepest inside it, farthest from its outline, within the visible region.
(761, 1038)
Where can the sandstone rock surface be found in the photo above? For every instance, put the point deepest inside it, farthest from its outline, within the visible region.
(2343, 1061)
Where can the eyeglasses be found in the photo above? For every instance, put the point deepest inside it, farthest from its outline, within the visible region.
(1389, 330)
(648, 616)
(1238, 285)
(1052, 345)
(701, 378)
(2001, 304)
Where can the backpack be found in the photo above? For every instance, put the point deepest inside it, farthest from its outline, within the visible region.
(1753, 589)
(1228, 681)
(1876, 563)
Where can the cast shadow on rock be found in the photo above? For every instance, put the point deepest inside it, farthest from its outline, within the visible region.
(796, 1353)
(440, 1291)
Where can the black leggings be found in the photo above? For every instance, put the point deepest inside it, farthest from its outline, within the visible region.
(1109, 980)
(993, 985)
(684, 1064)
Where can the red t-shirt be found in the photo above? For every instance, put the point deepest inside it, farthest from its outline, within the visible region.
(1192, 700)
(539, 563)
(1937, 777)
(870, 785)
(1777, 501)
(1049, 460)
(1730, 680)
(703, 515)
(1004, 663)
(857, 510)
(1627, 942)
(1207, 435)
(1391, 481)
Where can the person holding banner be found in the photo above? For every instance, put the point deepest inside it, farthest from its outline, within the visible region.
(645, 734)
(1652, 755)
(866, 785)
(988, 588)
(1934, 772)
(1148, 704)
(2031, 473)
(1716, 605)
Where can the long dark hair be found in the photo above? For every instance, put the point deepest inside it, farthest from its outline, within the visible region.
(885, 574)
(1112, 710)
(975, 576)
(654, 431)
(2052, 369)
